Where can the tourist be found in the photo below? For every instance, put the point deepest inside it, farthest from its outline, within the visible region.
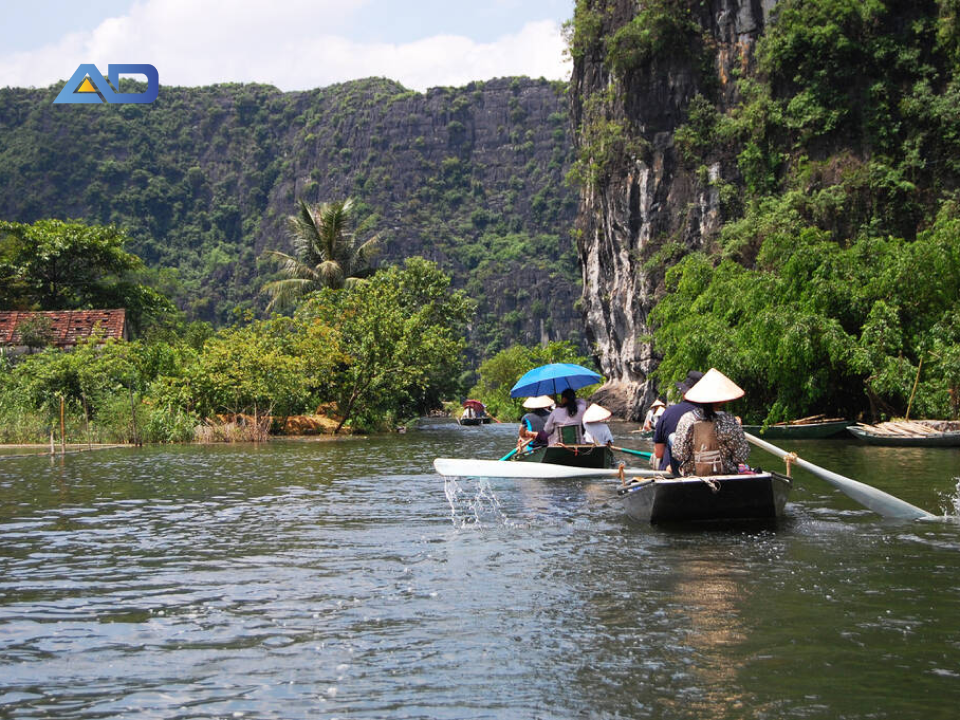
(653, 415)
(662, 457)
(595, 427)
(568, 414)
(531, 424)
(709, 441)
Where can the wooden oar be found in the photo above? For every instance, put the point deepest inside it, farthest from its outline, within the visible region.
(641, 453)
(867, 495)
(454, 467)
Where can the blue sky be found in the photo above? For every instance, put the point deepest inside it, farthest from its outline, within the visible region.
(294, 44)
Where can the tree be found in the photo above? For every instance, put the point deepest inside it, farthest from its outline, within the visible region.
(57, 265)
(401, 335)
(326, 252)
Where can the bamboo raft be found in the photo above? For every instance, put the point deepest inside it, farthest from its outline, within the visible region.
(808, 428)
(919, 433)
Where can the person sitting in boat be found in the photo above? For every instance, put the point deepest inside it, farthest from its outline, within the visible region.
(653, 415)
(662, 458)
(595, 430)
(568, 413)
(709, 441)
(531, 424)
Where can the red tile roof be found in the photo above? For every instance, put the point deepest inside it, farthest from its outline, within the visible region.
(67, 326)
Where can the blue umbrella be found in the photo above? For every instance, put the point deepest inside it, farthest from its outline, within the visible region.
(552, 379)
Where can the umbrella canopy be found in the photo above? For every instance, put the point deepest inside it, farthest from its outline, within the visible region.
(475, 404)
(554, 378)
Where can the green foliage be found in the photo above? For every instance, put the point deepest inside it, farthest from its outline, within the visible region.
(501, 372)
(328, 251)
(401, 338)
(56, 265)
(821, 327)
(660, 28)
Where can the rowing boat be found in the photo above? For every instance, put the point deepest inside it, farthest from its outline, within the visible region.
(910, 433)
(758, 496)
(486, 420)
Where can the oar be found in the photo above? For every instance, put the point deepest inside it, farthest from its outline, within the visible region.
(454, 467)
(514, 452)
(867, 495)
(641, 453)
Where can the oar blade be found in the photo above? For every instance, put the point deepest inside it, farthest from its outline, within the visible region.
(870, 497)
(455, 467)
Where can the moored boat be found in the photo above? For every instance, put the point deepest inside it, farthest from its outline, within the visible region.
(910, 433)
(805, 429)
(757, 496)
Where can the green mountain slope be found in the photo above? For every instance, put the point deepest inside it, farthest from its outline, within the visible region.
(203, 179)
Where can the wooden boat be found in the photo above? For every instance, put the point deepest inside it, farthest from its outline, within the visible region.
(485, 420)
(758, 496)
(815, 427)
(581, 456)
(910, 433)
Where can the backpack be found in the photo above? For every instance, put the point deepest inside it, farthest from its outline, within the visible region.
(706, 449)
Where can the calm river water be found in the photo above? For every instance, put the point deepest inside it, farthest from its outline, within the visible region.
(347, 580)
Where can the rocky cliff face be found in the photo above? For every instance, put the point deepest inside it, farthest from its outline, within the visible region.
(641, 207)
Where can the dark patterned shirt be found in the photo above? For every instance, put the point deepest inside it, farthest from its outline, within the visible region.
(733, 444)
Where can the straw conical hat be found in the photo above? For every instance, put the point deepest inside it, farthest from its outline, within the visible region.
(658, 403)
(541, 401)
(596, 413)
(714, 387)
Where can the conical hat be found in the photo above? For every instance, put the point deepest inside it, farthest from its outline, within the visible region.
(596, 413)
(541, 401)
(714, 387)
(658, 403)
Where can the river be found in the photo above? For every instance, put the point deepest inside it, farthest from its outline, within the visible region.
(306, 579)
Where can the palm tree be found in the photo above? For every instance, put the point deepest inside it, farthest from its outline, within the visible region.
(326, 253)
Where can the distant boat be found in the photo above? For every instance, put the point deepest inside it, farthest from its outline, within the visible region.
(723, 498)
(475, 420)
(815, 427)
(910, 433)
(474, 413)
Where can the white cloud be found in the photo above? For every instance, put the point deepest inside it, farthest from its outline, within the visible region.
(295, 45)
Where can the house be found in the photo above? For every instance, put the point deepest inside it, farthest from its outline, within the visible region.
(62, 328)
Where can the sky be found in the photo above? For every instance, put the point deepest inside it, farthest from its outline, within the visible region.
(292, 44)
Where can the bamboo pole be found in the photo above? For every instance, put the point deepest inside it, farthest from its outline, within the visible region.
(916, 382)
(63, 438)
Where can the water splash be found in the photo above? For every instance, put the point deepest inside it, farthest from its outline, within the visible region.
(472, 509)
(951, 503)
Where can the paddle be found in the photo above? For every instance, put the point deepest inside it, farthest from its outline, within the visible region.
(868, 496)
(641, 453)
(513, 452)
(453, 467)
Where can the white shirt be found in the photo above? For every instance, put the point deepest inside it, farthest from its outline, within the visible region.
(597, 433)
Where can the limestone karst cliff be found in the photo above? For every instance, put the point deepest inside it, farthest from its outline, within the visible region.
(637, 68)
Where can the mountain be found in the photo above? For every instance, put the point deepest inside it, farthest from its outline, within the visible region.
(203, 179)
